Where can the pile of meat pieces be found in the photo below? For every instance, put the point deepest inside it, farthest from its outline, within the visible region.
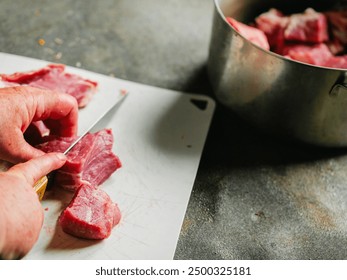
(91, 213)
(318, 38)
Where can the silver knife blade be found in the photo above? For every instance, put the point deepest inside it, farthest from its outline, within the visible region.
(98, 121)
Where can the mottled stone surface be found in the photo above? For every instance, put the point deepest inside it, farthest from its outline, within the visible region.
(255, 196)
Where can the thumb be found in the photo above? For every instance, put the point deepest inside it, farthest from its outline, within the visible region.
(38, 167)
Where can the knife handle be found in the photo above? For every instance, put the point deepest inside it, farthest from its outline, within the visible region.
(40, 187)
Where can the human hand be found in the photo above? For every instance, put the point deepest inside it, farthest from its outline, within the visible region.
(21, 214)
(22, 105)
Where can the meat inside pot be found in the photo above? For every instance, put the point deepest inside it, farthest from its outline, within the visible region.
(318, 38)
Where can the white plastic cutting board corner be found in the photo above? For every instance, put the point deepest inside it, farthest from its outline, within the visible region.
(159, 137)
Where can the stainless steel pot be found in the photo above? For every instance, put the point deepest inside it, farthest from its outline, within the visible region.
(306, 102)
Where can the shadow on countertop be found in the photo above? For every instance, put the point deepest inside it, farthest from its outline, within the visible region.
(234, 142)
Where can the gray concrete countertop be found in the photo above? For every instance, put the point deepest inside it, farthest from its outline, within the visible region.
(255, 196)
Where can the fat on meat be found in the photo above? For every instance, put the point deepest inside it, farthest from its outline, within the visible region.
(91, 214)
(54, 77)
(91, 161)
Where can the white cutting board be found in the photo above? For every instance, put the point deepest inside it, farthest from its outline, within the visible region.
(159, 137)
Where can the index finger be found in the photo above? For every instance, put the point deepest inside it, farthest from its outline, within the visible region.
(59, 111)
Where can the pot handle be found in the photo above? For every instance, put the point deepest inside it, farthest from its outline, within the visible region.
(340, 85)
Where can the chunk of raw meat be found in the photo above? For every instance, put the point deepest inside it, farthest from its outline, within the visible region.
(308, 27)
(91, 161)
(91, 214)
(252, 34)
(316, 54)
(273, 24)
(336, 62)
(54, 77)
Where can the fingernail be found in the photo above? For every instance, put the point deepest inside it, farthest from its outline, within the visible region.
(61, 156)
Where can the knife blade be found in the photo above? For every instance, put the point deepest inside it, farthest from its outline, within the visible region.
(41, 185)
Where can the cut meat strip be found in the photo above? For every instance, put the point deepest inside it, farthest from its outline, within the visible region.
(308, 27)
(91, 214)
(91, 161)
(54, 77)
(252, 34)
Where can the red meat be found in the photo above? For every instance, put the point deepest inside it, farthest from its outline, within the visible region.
(303, 36)
(316, 54)
(308, 27)
(336, 62)
(91, 161)
(252, 34)
(91, 214)
(273, 24)
(54, 77)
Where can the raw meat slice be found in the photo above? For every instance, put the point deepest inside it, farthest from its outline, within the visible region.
(308, 27)
(252, 34)
(91, 161)
(54, 77)
(273, 24)
(91, 214)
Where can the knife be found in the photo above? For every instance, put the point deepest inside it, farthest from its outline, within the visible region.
(41, 185)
